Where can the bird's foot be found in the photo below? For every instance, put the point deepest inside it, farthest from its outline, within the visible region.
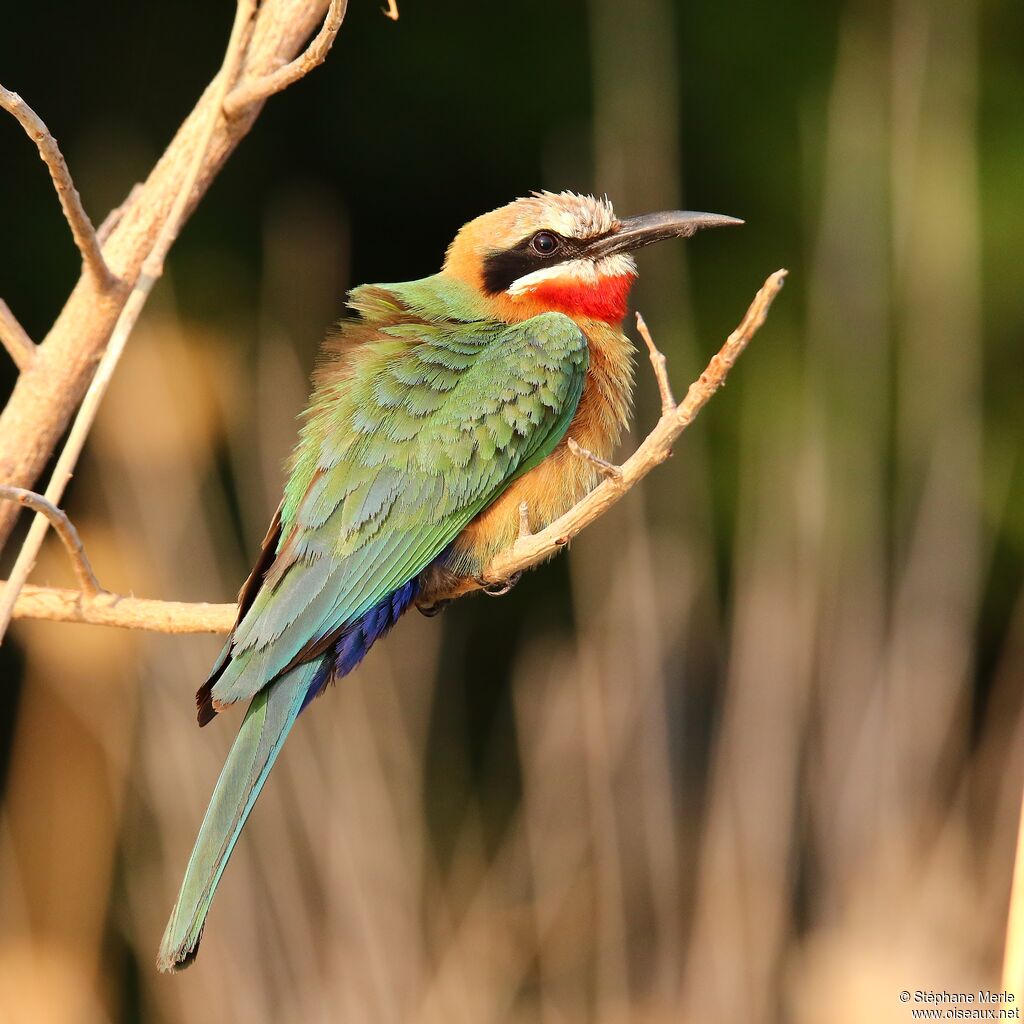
(500, 588)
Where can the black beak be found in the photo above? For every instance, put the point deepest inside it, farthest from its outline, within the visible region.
(636, 232)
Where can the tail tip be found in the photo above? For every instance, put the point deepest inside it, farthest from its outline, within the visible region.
(174, 958)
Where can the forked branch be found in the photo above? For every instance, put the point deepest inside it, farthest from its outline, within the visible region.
(56, 374)
(655, 449)
(607, 469)
(528, 550)
(660, 366)
(152, 268)
(71, 202)
(248, 92)
(65, 530)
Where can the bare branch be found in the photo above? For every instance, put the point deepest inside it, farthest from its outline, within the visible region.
(59, 605)
(391, 11)
(152, 268)
(528, 550)
(247, 93)
(46, 396)
(65, 530)
(70, 201)
(15, 339)
(112, 219)
(655, 449)
(660, 364)
(607, 469)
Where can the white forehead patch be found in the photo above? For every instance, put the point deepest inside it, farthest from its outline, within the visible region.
(571, 215)
(576, 271)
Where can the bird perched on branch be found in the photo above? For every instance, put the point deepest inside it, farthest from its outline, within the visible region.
(439, 408)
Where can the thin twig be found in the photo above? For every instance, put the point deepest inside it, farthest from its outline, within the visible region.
(151, 270)
(524, 519)
(654, 450)
(60, 605)
(246, 93)
(660, 364)
(20, 347)
(528, 550)
(70, 201)
(391, 11)
(65, 530)
(607, 469)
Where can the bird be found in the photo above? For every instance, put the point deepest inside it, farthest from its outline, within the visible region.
(439, 407)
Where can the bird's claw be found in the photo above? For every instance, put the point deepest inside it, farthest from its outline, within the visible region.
(501, 588)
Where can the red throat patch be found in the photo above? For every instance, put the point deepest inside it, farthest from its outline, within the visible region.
(604, 299)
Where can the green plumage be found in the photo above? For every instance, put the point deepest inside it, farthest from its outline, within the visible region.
(422, 414)
(267, 723)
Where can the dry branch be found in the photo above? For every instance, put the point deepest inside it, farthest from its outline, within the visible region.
(660, 365)
(71, 202)
(15, 339)
(46, 395)
(528, 550)
(59, 605)
(655, 449)
(607, 469)
(152, 269)
(65, 530)
(211, 130)
(246, 93)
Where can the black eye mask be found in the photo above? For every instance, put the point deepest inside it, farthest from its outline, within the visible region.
(501, 269)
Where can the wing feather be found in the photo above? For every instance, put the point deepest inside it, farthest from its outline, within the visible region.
(419, 429)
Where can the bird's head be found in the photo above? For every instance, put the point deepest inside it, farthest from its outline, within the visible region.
(562, 252)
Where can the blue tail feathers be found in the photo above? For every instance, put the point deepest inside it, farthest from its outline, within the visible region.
(355, 640)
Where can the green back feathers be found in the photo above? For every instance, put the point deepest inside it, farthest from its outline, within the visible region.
(416, 424)
(421, 415)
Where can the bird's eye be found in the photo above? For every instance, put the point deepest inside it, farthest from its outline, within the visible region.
(545, 243)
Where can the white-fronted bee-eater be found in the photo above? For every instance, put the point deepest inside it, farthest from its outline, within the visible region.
(438, 407)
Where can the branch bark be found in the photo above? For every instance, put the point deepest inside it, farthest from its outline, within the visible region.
(59, 605)
(660, 366)
(71, 202)
(65, 530)
(15, 339)
(527, 551)
(246, 93)
(47, 393)
(152, 269)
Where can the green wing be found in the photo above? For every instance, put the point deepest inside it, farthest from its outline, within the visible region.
(411, 433)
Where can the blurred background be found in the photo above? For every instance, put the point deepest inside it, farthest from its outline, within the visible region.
(751, 752)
